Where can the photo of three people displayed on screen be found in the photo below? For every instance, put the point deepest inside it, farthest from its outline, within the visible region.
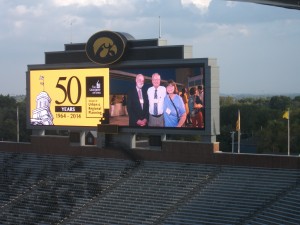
(164, 106)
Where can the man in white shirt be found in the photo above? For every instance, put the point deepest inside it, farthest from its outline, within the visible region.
(156, 95)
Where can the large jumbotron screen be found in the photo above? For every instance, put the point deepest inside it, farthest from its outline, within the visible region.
(87, 97)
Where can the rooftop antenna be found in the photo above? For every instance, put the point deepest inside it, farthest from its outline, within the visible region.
(159, 28)
(71, 32)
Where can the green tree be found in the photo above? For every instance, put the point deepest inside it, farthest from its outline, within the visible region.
(24, 133)
(296, 102)
(261, 119)
(272, 138)
(280, 102)
(8, 119)
(226, 100)
(295, 131)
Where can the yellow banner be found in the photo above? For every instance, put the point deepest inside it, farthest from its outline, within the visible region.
(69, 97)
(285, 115)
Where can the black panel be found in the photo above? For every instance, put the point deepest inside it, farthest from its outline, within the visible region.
(74, 47)
(136, 50)
(143, 43)
(66, 57)
(108, 128)
(139, 53)
(154, 53)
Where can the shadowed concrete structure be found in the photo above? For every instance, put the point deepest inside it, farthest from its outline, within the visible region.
(290, 4)
(171, 151)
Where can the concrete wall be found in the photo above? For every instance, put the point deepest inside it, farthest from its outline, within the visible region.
(174, 151)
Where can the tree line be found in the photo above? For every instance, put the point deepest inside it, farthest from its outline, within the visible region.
(13, 110)
(261, 122)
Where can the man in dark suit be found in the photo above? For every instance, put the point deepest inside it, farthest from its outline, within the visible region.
(138, 104)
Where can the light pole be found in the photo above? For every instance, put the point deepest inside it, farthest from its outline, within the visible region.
(18, 124)
(232, 141)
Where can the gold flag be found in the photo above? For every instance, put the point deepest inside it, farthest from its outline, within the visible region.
(286, 115)
(238, 122)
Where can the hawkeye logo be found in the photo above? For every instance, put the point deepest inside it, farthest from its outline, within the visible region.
(106, 47)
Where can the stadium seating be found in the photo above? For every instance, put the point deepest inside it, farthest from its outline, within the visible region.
(53, 189)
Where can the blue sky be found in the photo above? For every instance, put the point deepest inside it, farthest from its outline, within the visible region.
(256, 46)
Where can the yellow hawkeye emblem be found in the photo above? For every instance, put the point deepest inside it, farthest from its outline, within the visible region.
(105, 47)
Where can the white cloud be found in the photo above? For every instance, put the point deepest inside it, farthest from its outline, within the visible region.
(18, 24)
(111, 8)
(232, 31)
(223, 31)
(22, 10)
(82, 3)
(219, 29)
(244, 31)
(200, 4)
